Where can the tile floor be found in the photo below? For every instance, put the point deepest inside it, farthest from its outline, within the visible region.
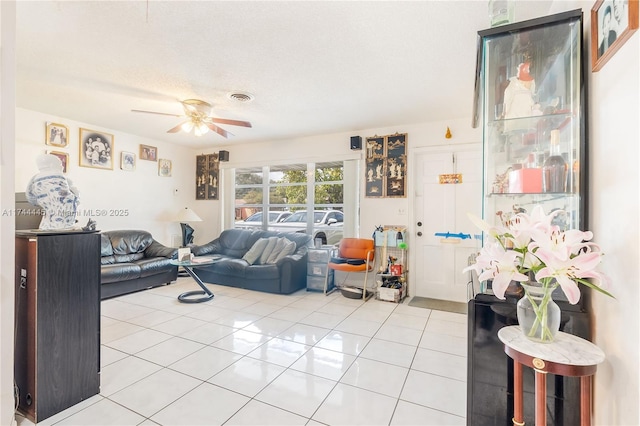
(252, 358)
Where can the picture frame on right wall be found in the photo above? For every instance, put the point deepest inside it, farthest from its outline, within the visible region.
(612, 24)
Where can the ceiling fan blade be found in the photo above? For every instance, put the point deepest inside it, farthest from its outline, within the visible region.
(219, 130)
(158, 113)
(231, 122)
(177, 128)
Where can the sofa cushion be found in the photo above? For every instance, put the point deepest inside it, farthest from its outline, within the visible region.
(126, 242)
(128, 258)
(108, 260)
(119, 272)
(262, 272)
(105, 246)
(255, 251)
(154, 266)
(271, 244)
(283, 248)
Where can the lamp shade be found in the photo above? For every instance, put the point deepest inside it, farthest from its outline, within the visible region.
(187, 215)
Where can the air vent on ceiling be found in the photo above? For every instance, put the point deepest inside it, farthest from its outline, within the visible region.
(241, 97)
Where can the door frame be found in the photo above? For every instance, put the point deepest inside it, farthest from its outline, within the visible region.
(411, 192)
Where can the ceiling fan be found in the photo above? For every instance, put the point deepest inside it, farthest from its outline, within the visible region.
(199, 119)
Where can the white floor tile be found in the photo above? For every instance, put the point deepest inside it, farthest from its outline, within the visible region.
(346, 343)
(444, 343)
(358, 326)
(257, 413)
(279, 351)
(104, 412)
(261, 308)
(405, 309)
(347, 405)
(389, 352)
(208, 333)
(450, 328)
(404, 335)
(436, 392)
(237, 319)
(241, 342)
(247, 376)
(143, 396)
(408, 414)
(269, 326)
(324, 363)
(205, 405)
(376, 376)
(139, 341)
(109, 355)
(322, 319)
(374, 315)
(289, 313)
(303, 333)
(121, 374)
(205, 363)
(178, 325)
(441, 363)
(122, 311)
(154, 317)
(209, 313)
(450, 316)
(408, 321)
(117, 330)
(297, 392)
(170, 351)
(335, 308)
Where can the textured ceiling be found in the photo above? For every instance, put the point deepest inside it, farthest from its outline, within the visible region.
(313, 67)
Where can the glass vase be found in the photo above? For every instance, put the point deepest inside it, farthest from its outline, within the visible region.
(538, 314)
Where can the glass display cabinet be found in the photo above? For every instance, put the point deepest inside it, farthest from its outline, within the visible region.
(530, 101)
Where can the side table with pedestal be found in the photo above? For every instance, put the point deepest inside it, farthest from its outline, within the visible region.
(188, 266)
(567, 355)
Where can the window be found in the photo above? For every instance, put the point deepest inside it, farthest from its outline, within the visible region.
(288, 192)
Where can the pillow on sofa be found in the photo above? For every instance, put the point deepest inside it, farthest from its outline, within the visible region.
(288, 247)
(271, 243)
(255, 251)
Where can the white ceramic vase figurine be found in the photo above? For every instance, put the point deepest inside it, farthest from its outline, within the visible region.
(52, 191)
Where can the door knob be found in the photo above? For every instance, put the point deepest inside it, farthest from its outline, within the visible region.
(419, 234)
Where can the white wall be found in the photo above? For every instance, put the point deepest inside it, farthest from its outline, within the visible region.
(373, 211)
(138, 199)
(614, 216)
(7, 231)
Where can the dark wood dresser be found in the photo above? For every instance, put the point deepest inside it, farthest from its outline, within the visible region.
(57, 320)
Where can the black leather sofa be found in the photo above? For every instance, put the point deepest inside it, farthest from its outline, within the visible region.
(285, 276)
(132, 260)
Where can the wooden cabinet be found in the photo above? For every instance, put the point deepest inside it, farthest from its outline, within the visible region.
(57, 321)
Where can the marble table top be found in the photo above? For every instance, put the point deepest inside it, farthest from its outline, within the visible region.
(566, 349)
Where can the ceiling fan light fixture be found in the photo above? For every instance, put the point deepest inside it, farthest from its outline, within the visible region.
(187, 126)
(200, 129)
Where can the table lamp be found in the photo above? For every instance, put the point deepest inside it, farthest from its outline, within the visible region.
(187, 215)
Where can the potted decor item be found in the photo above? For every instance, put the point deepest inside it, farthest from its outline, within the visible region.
(540, 256)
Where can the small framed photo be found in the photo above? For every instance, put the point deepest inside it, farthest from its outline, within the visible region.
(96, 149)
(148, 152)
(127, 161)
(57, 134)
(164, 167)
(64, 159)
(612, 24)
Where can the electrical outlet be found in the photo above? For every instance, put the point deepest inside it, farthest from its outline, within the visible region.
(402, 211)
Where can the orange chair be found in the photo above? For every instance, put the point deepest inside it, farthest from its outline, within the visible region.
(353, 255)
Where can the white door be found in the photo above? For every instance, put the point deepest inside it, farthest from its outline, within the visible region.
(440, 209)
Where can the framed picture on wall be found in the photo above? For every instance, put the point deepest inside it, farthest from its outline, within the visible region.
(64, 159)
(164, 167)
(56, 134)
(96, 149)
(148, 152)
(127, 161)
(612, 24)
(386, 166)
(207, 169)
